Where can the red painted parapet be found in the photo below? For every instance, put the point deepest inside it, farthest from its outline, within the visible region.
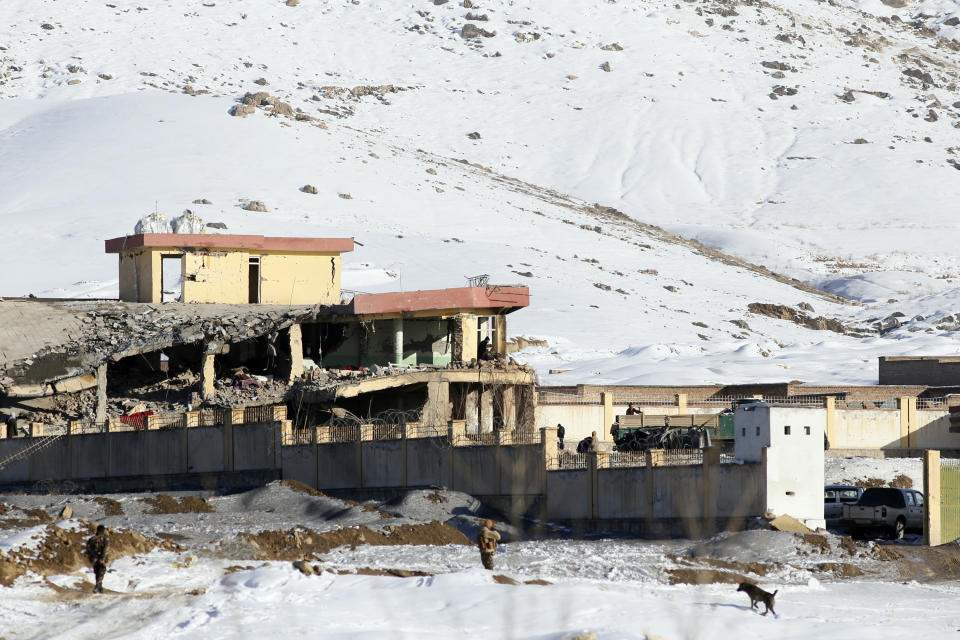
(227, 241)
(490, 297)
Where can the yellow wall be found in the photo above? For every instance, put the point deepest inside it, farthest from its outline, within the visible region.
(223, 276)
(217, 276)
(299, 278)
(140, 276)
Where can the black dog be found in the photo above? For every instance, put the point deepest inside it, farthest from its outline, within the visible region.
(756, 594)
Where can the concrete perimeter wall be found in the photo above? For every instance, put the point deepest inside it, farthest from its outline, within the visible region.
(154, 452)
(686, 493)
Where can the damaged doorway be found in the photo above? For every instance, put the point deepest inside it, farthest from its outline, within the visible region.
(254, 280)
(171, 278)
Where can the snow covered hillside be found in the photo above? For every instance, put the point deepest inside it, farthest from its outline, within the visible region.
(456, 138)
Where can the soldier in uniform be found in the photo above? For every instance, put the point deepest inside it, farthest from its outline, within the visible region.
(97, 554)
(487, 541)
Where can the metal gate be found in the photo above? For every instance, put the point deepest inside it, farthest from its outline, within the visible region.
(949, 500)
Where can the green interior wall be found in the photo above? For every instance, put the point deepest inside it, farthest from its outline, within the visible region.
(424, 342)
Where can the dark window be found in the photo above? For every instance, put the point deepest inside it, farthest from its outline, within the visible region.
(743, 431)
(830, 496)
(882, 497)
(806, 431)
(758, 430)
(919, 497)
(254, 297)
(786, 430)
(849, 495)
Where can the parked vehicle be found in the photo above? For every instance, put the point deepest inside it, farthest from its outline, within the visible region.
(892, 510)
(837, 495)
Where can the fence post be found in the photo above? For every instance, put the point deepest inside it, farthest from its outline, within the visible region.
(681, 401)
(548, 440)
(592, 484)
(931, 498)
(648, 477)
(606, 398)
(830, 404)
(403, 452)
(711, 458)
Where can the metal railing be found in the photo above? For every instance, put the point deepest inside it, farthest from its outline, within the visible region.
(932, 403)
(417, 430)
(552, 397)
(568, 462)
(475, 439)
(676, 457)
(298, 436)
(619, 459)
(213, 417)
(380, 431)
(262, 413)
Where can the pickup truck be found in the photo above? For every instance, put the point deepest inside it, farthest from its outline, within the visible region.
(889, 509)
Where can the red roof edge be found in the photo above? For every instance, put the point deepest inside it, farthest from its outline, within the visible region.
(227, 241)
(490, 297)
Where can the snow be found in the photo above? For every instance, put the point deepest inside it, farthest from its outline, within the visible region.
(83, 162)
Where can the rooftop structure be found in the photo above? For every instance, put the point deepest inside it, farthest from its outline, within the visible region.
(230, 269)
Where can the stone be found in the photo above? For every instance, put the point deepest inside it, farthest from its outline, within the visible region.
(345, 196)
(105, 76)
(432, 171)
(282, 108)
(202, 201)
(606, 67)
(242, 110)
(66, 513)
(308, 188)
(216, 225)
(303, 567)
(467, 4)
(474, 135)
(257, 99)
(806, 306)
(613, 46)
(789, 523)
(261, 81)
(952, 22)
(74, 81)
(47, 26)
(292, 3)
(473, 31)
(255, 205)
(858, 141)
(586, 635)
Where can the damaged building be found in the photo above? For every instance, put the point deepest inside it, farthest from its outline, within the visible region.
(219, 321)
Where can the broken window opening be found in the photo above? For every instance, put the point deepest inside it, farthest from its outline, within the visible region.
(171, 278)
(254, 280)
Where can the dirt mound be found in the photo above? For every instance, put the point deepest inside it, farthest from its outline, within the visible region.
(62, 551)
(901, 482)
(704, 576)
(110, 506)
(187, 504)
(436, 498)
(301, 542)
(816, 541)
(782, 312)
(841, 569)
(757, 568)
(502, 579)
(301, 487)
(36, 514)
(396, 573)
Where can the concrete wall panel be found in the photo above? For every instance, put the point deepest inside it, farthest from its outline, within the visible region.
(205, 449)
(18, 471)
(382, 463)
(568, 495)
(866, 429)
(522, 469)
(338, 466)
(475, 470)
(298, 464)
(89, 454)
(253, 446)
(428, 462)
(165, 454)
(127, 451)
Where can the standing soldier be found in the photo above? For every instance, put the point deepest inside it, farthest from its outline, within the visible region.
(97, 554)
(487, 540)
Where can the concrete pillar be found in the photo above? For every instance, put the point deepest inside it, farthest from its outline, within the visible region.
(36, 429)
(100, 415)
(711, 460)
(681, 399)
(499, 346)
(398, 340)
(831, 407)
(296, 353)
(606, 398)
(510, 407)
(486, 410)
(436, 411)
(465, 337)
(908, 412)
(931, 498)
(471, 407)
(548, 440)
(207, 376)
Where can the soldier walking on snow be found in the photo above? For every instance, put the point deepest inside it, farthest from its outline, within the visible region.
(487, 540)
(97, 554)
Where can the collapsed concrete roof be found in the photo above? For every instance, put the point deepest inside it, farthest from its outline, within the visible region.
(45, 345)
